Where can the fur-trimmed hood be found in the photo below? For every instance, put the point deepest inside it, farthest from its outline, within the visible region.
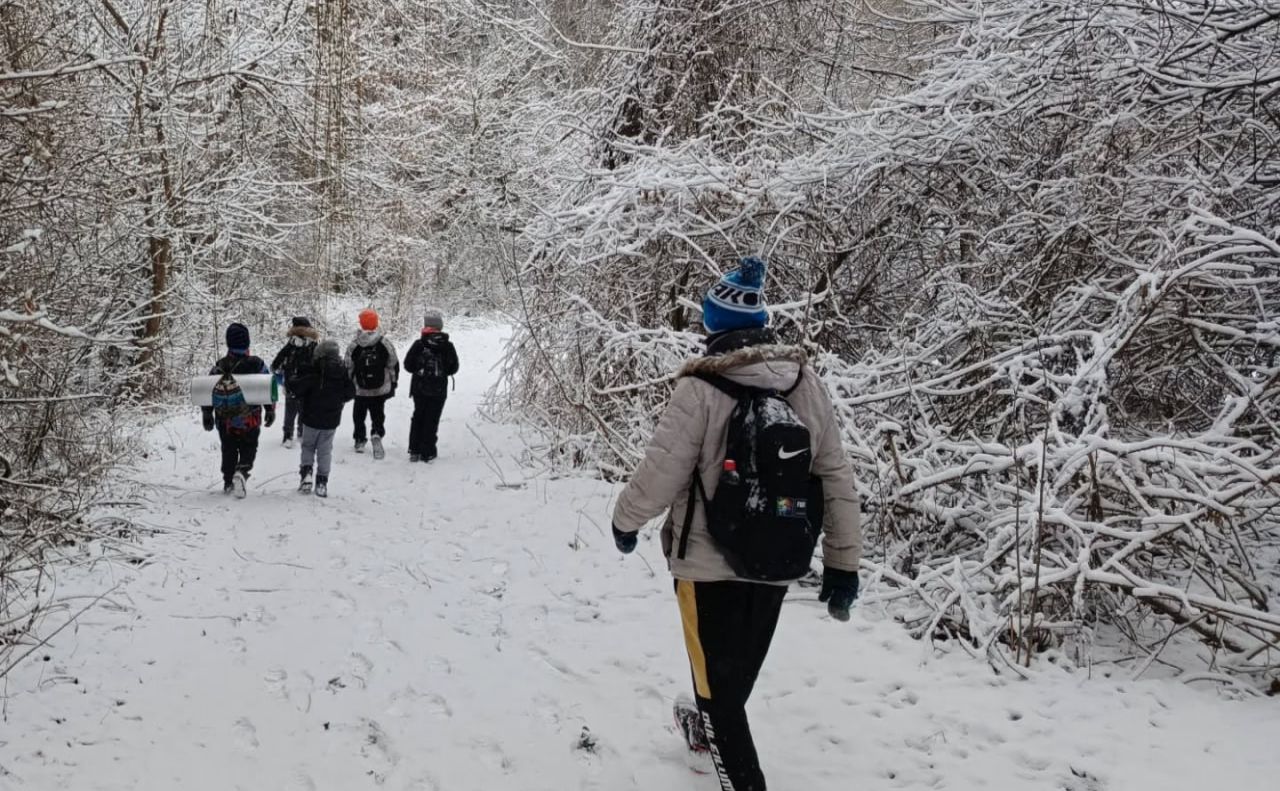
(309, 333)
(769, 367)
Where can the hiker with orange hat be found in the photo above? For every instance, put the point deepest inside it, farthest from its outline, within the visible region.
(374, 368)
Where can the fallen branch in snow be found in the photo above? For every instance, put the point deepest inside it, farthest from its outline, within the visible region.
(285, 563)
(45, 640)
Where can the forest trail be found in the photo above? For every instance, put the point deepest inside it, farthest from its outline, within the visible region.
(454, 627)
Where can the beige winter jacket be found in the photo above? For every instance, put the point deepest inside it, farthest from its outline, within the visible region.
(693, 431)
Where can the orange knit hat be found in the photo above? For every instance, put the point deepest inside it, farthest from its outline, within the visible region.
(369, 319)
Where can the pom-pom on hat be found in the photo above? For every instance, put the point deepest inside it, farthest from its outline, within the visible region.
(238, 338)
(369, 319)
(736, 302)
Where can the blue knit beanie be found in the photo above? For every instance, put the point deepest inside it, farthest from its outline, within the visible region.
(736, 302)
(238, 338)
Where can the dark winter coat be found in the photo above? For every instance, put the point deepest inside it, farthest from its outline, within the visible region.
(251, 418)
(323, 388)
(431, 360)
(295, 356)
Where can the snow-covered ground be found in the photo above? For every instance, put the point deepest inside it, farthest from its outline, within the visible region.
(454, 627)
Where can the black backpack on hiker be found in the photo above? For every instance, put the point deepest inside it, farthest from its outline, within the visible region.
(369, 366)
(298, 361)
(767, 512)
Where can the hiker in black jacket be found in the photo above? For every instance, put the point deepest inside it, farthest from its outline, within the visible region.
(323, 389)
(431, 360)
(238, 427)
(288, 365)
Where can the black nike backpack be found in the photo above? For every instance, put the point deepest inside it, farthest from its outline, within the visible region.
(767, 514)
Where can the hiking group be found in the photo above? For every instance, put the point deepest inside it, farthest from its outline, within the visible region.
(746, 462)
(318, 380)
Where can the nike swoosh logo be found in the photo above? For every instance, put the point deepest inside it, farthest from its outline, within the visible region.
(790, 454)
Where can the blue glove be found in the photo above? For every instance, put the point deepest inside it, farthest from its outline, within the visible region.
(626, 542)
(839, 589)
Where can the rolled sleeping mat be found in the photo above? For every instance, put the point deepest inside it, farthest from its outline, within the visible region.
(258, 389)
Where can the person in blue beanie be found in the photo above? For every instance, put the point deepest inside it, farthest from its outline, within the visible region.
(730, 608)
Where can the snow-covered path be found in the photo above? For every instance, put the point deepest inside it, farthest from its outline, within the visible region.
(434, 628)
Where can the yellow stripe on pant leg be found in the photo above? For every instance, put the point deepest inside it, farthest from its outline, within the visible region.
(692, 642)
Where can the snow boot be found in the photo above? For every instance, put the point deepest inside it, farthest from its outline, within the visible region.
(429, 457)
(237, 486)
(689, 721)
(414, 458)
(360, 445)
(304, 472)
(378, 451)
(288, 442)
(227, 487)
(322, 486)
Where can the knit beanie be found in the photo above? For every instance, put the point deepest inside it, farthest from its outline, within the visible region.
(301, 321)
(736, 302)
(433, 320)
(369, 319)
(238, 338)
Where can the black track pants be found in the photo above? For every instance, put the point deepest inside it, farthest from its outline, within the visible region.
(728, 627)
(425, 425)
(238, 452)
(292, 415)
(376, 408)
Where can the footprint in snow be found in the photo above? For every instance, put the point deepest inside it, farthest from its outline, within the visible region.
(275, 679)
(422, 783)
(360, 667)
(342, 603)
(260, 615)
(906, 697)
(378, 749)
(246, 734)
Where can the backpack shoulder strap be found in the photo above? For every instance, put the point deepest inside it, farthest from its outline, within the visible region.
(695, 489)
(741, 391)
(728, 386)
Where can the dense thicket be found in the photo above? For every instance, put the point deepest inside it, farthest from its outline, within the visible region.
(1041, 275)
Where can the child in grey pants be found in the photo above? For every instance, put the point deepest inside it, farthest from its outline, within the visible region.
(324, 388)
